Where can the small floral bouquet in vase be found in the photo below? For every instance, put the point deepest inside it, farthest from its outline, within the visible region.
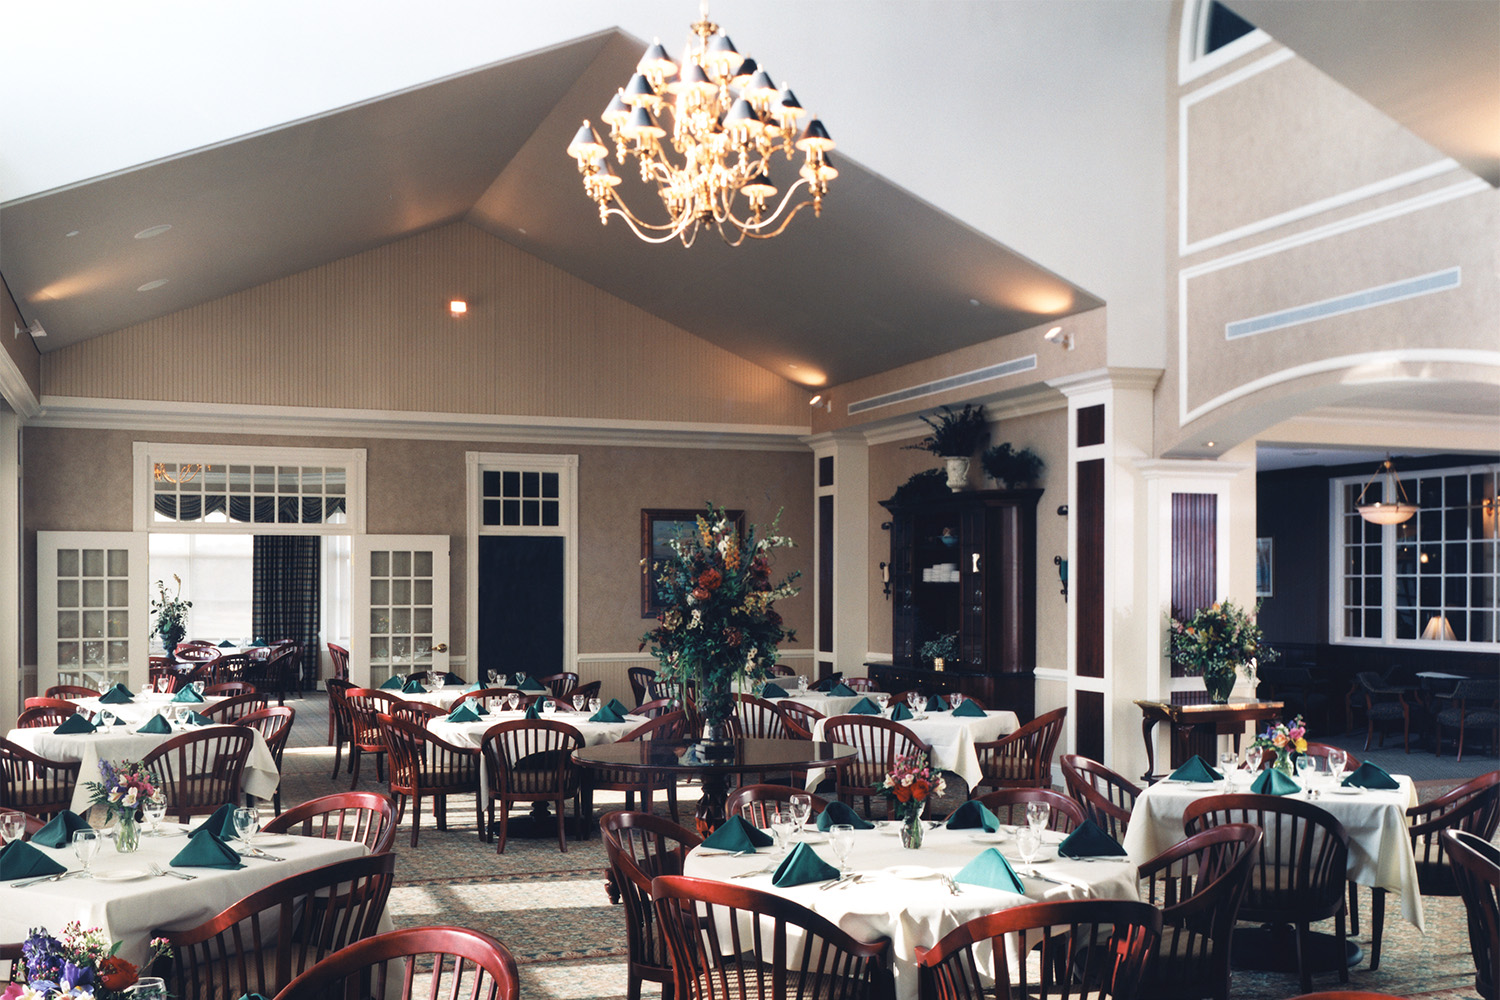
(910, 784)
(81, 965)
(123, 791)
(1285, 740)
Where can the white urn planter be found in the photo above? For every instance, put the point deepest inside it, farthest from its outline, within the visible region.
(958, 473)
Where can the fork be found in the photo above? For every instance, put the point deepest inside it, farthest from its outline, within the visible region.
(951, 885)
(257, 853)
(157, 869)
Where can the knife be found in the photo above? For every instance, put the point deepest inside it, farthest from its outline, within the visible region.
(44, 878)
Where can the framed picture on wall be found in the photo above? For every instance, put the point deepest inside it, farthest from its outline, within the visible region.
(659, 527)
(1263, 567)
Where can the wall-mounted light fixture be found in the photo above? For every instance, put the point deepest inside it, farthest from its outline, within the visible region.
(1062, 574)
(457, 308)
(885, 578)
(818, 402)
(1062, 338)
(34, 328)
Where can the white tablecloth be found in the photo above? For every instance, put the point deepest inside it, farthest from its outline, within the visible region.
(1379, 845)
(129, 911)
(260, 777)
(917, 911)
(826, 704)
(142, 707)
(442, 697)
(951, 737)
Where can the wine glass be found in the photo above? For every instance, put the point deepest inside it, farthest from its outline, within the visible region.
(579, 701)
(801, 810)
(163, 684)
(491, 677)
(914, 702)
(801, 683)
(841, 839)
(106, 718)
(246, 822)
(154, 809)
(1028, 844)
(882, 698)
(512, 700)
(85, 846)
(148, 988)
(1037, 815)
(12, 827)
(198, 687)
(1337, 761)
(1307, 773)
(955, 699)
(1228, 759)
(781, 826)
(594, 704)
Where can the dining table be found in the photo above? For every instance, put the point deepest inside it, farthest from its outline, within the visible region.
(821, 701)
(127, 900)
(123, 743)
(140, 707)
(901, 894)
(951, 738)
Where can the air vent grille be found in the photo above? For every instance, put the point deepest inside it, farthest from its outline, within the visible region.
(1025, 364)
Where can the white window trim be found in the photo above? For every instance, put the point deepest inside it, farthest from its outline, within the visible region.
(147, 453)
(1192, 61)
(1388, 639)
(566, 466)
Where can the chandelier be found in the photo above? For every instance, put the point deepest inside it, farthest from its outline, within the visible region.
(1386, 513)
(178, 473)
(727, 122)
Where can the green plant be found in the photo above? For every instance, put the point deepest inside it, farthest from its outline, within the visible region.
(171, 614)
(1003, 463)
(955, 434)
(944, 647)
(922, 485)
(1218, 638)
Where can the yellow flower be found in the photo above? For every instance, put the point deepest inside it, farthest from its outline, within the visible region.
(1302, 746)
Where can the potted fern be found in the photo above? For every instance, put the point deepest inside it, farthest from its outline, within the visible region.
(956, 436)
(1009, 467)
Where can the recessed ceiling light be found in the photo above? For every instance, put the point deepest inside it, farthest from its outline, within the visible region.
(152, 285)
(146, 234)
(973, 302)
(73, 233)
(1210, 444)
(458, 307)
(520, 230)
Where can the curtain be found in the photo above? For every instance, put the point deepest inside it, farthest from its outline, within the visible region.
(287, 594)
(262, 510)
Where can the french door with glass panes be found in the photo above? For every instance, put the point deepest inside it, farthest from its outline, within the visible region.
(398, 607)
(93, 619)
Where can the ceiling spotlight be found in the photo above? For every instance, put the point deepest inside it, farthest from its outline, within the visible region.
(815, 400)
(1060, 337)
(34, 328)
(458, 307)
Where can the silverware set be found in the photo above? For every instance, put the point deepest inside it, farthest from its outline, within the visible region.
(45, 878)
(259, 855)
(850, 879)
(157, 869)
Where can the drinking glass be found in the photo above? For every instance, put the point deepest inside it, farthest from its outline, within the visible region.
(491, 676)
(955, 699)
(1337, 761)
(1228, 759)
(781, 826)
(801, 683)
(106, 718)
(882, 699)
(85, 846)
(841, 839)
(154, 809)
(579, 701)
(1028, 843)
(246, 822)
(1307, 774)
(594, 704)
(914, 701)
(801, 809)
(12, 826)
(1037, 815)
(163, 685)
(512, 700)
(198, 687)
(148, 988)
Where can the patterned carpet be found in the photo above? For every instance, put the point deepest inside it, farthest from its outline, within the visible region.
(551, 909)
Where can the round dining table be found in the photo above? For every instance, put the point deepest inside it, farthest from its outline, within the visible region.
(712, 763)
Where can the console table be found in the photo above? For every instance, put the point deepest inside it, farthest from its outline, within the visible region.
(1195, 727)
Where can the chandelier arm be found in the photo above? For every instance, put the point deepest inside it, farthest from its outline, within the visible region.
(756, 227)
(641, 233)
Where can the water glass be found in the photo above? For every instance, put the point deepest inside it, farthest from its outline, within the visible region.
(491, 677)
(1037, 815)
(1337, 761)
(955, 699)
(198, 687)
(801, 683)
(1028, 843)
(154, 810)
(594, 704)
(12, 826)
(148, 988)
(163, 684)
(512, 700)
(246, 822)
(1228, 759)
(85, 846)
(914, 701)
(801, 810)
(841, 839)
(781, 826)
(106, 718)
(881, 698)
(1307, 774)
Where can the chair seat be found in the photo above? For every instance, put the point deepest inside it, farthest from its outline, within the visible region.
(1478, 718)
(1385, 711)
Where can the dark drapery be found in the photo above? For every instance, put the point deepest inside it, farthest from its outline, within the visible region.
(247, 510)
(287, 593)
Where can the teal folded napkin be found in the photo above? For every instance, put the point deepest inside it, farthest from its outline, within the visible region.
(259, 642)
(607, 713)
(534, 710)
(195, 719)
(20, 860)
(117, 695)
(865, 707)
(251, 996)
(838, 814)
(935, 704)
(968, 710)
(393, 684)
(773, 690)
(188, 693)
(991, 870)
(842, 690)
(900, 713)
(60, 829)
(1196, 769)
(413, 686)
(156, 724)
(449, 677)
(615, 704)
(226, 644)
(1273, 782)
(75, 723)
(464, 713)
(801, 866)
(974, 815)
(1368, 775)
(220, 822)
(530, 683)
(473, 687)
(205, 850)
(734, 834)
(1090, 841)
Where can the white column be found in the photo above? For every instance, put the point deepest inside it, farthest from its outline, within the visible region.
(850, 493)
(11, 674)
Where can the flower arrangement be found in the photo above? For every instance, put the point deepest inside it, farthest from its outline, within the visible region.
(717, 621)
(171, 614)
(1219, 638)
(81, 965)
(123, 790)
(910, 783)
(1284, 739)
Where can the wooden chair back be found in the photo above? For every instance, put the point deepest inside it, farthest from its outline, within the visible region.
(1321, 750)
(752, 802)
(275, 726)
(415, 962)
(1476, 870)
(424, 764)
(418, 713)
(35, 784)
(46, 716)
(229, 689)
(492, 698)
(338, 656)
(1024, 758)
(200, 771)
(1473, 807)
(1009, 806)
(531, 760)
(657, 707)
(1106, 797)
(799, 717)
(234, 708)
(756, 718)
(368, 818)
(641, 847)
(863, 685)
(70, 691)
(640, 682)
(561, 684)
(877, 742)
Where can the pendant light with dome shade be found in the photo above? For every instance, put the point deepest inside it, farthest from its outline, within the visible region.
(1381, 512)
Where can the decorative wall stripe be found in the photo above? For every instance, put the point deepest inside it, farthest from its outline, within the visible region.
(1369, 298)
(1025, 364)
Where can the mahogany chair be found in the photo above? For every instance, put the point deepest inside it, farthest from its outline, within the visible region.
(206, 661)
(1476, 870)
(229, 689)
(1106, 797)
(234, 708)
(800, 718)
(274, 726)
(492, 698)
(752, 801)
(561, 684)
(668, 726)
(877, 742)
(1321, 750)
(426, 766)
(418, 713)
(728, 942)
(158, 667)
(656, 708)
(1024, 758)
(368, 818)
(339, 724)
(200, 771)
(756, 718)
(1009, 806)
(268, 938)
(364, 707)
(1473, 704)
(415, 962)
(1299, 893)
(48, 717)
(1199, 884)
(828, 683)
(61, 704)
(1093, 947)
(1473, 807)
(35, 784)
(640, 682)
(278, 673)
(1384, 704)
(640, 848)
(589, 690)
(861, 684)
(338, 656)
(70, 691)
(531, 760)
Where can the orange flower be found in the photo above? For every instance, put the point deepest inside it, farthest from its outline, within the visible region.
(117, 974)
(710, 579)
(699, 594)
(902, 793)
(920, 788)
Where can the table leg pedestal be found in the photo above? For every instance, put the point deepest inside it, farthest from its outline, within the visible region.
(715, 791)
(1273, 948)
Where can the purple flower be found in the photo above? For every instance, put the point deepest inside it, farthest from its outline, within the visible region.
(78, 975)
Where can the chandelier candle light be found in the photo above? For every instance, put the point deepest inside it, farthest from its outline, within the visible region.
(727, 122)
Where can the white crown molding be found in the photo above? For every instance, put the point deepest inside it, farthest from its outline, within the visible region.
(1051, 674)
(226, 418)
(1189, 468)
(1038, 398)
(1428, 419)
(1083, 383)
(16, 390)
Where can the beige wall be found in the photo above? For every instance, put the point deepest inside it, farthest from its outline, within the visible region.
(80, 480)
(21, 350)
(372, 332)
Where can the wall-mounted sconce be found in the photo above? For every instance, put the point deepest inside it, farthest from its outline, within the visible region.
(1062, 510)
(34, 328)
(1062, 574)
(885, 578)
(1062, 338)
(819, 403)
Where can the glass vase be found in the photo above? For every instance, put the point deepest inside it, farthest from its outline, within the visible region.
(1284, 763)
(127, 834)
(1219, 687)
(911, 827)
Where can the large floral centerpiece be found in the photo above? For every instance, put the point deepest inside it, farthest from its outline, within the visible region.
(1285, 740)
(122, 790)
(910, 783)
(1215, 642)
(80, 965)
(170, 621)
(717, 623)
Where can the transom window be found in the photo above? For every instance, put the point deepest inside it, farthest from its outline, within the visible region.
(513, 498)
